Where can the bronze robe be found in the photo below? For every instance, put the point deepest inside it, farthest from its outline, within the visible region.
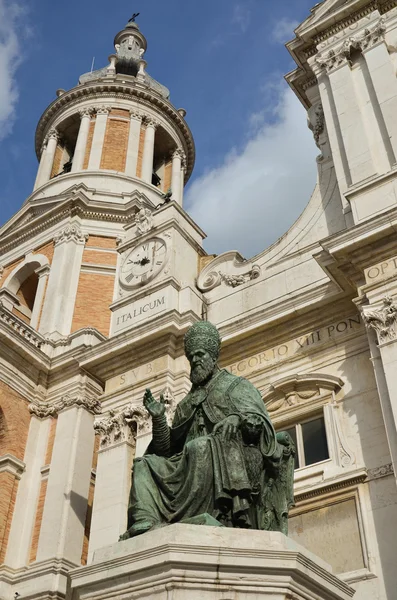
(202, 473)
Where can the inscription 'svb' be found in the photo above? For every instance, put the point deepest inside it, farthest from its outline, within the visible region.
(296, 346)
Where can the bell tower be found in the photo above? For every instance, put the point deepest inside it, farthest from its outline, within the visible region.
(97, 287)
(115, 130)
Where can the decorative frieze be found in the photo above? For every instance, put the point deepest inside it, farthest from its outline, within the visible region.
(337, 57)
(71, 233)
(51, 409)
(383, 320)
(378, 472)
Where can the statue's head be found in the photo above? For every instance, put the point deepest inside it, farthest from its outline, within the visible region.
(202, 347)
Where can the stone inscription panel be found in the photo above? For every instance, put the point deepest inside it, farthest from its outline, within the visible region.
(147, 371)
(130, 315)
(297, 346)
(332, 533)
(383, 270)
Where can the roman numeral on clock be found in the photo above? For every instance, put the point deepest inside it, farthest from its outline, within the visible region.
(129, 277)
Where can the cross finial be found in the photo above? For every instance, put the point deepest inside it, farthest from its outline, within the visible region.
(134, 16)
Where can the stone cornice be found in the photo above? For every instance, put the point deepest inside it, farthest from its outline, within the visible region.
(12, 464)
(43, 410)
(107, 91)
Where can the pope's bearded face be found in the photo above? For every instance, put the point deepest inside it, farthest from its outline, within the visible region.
(202, 365)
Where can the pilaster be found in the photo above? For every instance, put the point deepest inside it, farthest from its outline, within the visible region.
(81, 144)
(177, 178)
(133, 143)
(102, 114)
(23, 522)
(148, 150)
(63, 281)
(65, 507)
(47, 157)
(113, 478)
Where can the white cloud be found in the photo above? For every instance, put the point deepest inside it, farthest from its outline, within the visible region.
(241, 17)
(246, 203)
(283, 30)
(11, 14)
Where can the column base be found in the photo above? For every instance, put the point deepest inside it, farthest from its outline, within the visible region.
(201, 562)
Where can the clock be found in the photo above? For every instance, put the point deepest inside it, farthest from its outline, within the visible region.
(143, 262)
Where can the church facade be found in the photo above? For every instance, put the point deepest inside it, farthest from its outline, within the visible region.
(103, 271)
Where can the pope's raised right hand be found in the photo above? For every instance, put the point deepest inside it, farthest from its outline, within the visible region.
(154, 408)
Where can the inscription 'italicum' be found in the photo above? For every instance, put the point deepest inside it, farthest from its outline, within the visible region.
(140, 311)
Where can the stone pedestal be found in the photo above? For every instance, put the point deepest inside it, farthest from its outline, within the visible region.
(195, 562)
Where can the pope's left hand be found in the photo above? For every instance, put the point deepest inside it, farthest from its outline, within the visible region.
(229, 427)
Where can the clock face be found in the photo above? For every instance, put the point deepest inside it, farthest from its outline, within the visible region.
(143, 262)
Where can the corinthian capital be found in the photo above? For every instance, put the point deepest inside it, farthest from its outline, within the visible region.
(71, 233)
(103, 110)
(383, 321)
(136, 114)
(43, 410)
(86, 112)
(151, 122)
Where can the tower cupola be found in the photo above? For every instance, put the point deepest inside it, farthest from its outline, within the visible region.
(130, 46)
(116, 130)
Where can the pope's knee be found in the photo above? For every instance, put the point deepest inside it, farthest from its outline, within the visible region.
(198, 445)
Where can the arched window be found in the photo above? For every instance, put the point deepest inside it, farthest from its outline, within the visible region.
(24, 283)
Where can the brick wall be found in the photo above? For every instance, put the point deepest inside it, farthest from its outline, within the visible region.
(140, 151)
(14, 427)
(166, 183)
(97, 241)
(89, 143)
(56, 166)
(8, 494)
(94, 295)
(43, 491)
(115, 144)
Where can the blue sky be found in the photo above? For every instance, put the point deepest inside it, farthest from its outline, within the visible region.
(224, 63)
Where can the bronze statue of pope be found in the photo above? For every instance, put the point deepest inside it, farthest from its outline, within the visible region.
(220, 458)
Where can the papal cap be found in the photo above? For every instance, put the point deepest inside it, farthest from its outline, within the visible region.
(203, 335)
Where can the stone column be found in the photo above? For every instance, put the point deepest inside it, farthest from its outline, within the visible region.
(65, 507)
(113, 479)
(82, 138)
(99, 137)
(133, 143)
(43, 273)
(37, 182)
(384, 358)
(23, 521)
(176, 177)
(48, 157)
(63, 281)
(148, 150)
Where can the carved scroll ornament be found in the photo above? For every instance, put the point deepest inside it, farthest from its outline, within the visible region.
(230, 269)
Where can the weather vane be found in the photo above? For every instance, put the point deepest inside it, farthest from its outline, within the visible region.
(134, 16)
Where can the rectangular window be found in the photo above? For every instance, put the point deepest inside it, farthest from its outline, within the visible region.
(310, 440)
